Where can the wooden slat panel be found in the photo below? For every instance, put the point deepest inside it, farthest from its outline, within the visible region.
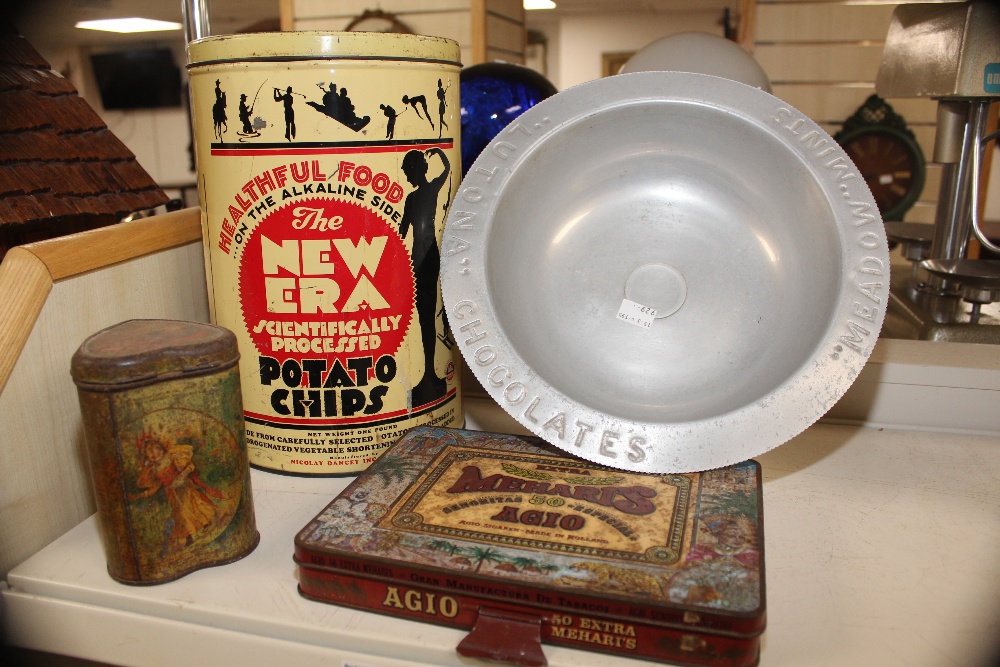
(812, 71)
(286, 14)
(504, 35)
(333, 23)
(831, 103)
(921, 212)
(813, 63)
(839, 2)
(823, 103)
(477, 16)
(816, 22)
(493, 55)
(925, 137)
(513, 9)
(305, 9)
(452, 25)
(916, 111)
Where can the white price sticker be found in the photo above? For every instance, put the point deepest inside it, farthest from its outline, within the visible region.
(637, 314)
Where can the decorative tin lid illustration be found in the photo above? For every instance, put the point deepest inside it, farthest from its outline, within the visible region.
(509, 518)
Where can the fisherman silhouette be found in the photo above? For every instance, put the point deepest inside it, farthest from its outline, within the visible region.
(391, 115)
(422, 101)
(245, 112)
(419, 212)
(219, 111)
(287, 99)
(339, 107)
(442, 105)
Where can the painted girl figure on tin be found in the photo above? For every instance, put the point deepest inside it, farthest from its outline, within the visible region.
(171, 467)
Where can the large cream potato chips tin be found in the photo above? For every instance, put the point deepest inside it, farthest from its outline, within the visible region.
(327, 164)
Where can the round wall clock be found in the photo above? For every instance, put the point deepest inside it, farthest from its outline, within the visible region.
(887, 154)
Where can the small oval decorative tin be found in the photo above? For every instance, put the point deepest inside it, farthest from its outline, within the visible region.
(163, 416)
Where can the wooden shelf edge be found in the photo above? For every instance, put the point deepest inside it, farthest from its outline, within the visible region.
(26, 282)
(78, 253)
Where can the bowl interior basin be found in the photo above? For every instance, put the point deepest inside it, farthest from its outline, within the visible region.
(682, 206)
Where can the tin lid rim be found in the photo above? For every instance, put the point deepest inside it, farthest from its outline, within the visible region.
(129, 353)
(322, 45)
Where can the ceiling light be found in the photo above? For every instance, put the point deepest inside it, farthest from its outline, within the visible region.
(539, 4)
(128, 25)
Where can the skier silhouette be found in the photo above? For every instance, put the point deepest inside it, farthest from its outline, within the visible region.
(287, 99)
(422, 101)
(419, 212)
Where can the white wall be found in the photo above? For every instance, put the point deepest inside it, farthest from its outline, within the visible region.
(576, 43)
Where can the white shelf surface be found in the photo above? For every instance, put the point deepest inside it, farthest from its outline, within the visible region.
(882, 548)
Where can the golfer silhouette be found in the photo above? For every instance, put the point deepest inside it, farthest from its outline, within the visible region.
(287, 99)
(391, 115)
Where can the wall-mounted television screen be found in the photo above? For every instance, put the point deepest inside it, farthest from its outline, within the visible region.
(144, 78)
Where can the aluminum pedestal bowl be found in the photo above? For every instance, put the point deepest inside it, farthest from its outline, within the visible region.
(739, 221)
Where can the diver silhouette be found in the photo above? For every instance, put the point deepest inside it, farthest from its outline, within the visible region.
(287, 99)
(419, 212)
(422, 102)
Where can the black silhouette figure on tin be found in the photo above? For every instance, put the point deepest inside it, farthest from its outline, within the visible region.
(340, 108)
(245, 113)
(330, 101)
(442, 105)
(287, 99)
(219, 111)
(391, 116)
(422, 102)
(419, 212)
(347, 115)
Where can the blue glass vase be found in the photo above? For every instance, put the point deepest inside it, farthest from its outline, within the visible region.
(493, 95)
